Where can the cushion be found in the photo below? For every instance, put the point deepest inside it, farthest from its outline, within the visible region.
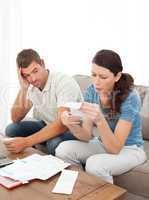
(135, 181)
(145, 116)
(84, 81)
(130, 196)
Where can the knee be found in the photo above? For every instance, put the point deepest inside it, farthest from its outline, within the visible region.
(100, 166)
(12, 130)
(94, 165)
(52, 144)
(63, 150)
(90, 165)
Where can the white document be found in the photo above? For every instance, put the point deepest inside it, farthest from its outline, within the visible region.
(75, 108)
(73, 105)
(34, 167)
(66, 182)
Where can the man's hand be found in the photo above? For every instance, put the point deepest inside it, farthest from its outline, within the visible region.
(22, 80)
(15, 145)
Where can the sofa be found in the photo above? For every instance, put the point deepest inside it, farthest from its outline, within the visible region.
(136, 181)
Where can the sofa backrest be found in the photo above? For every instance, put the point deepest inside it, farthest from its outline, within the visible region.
(84, 81)
(145, 115)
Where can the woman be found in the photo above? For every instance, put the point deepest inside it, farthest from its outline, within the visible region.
(113, 107)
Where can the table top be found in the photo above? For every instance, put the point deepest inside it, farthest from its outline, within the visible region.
(87, 187)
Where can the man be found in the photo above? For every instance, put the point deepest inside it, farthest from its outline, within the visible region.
(47, 95)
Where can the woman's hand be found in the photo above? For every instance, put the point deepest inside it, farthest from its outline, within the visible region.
(92, 111)
(69, 120)
(80, 129)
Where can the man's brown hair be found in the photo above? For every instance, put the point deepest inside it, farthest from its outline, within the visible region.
(26, 57)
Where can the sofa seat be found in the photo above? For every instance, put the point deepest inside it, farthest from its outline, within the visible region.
(136, 180)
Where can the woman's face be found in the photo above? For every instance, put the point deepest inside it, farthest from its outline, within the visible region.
(103, 79)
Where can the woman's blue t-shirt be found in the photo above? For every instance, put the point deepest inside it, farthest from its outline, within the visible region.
(129, 111)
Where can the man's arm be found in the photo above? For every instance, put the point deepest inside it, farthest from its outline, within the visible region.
(21, 106)
(18, 144)
(51, 130)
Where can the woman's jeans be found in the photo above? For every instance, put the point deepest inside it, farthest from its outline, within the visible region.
(27, 128)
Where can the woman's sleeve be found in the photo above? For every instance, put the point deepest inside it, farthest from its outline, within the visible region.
(130, 108)
(88, 96)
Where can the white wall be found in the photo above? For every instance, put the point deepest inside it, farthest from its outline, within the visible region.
(10, 34)
(67, 33)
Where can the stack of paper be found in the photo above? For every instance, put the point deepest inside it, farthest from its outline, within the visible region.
(33, 167)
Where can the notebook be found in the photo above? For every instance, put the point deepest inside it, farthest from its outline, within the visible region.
(9, 183)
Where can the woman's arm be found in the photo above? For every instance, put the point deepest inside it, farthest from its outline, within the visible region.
(80, 131)
(113, 143)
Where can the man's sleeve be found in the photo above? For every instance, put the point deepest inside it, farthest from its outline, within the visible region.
(68, 90)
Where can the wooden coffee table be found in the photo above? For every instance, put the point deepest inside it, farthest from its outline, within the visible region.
(87, 187)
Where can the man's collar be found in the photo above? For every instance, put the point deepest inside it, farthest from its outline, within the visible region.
(48, 83)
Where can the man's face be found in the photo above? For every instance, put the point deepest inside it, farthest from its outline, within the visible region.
(35, 74)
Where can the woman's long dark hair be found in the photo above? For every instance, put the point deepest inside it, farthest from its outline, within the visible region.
(112, 61)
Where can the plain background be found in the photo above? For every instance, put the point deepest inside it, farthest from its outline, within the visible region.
(67, 34)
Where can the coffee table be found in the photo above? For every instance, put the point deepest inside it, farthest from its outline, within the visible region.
(87, 187)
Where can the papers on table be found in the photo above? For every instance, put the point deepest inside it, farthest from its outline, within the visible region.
(66, 182)
(34, 167)
(38, 167)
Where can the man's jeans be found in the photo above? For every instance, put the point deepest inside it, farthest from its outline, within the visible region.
(26, 128)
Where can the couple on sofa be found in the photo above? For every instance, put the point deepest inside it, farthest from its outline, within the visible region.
(110, 105)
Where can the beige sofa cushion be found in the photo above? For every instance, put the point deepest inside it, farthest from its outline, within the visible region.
(135, 181)
(145, 116)
(84, 81)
